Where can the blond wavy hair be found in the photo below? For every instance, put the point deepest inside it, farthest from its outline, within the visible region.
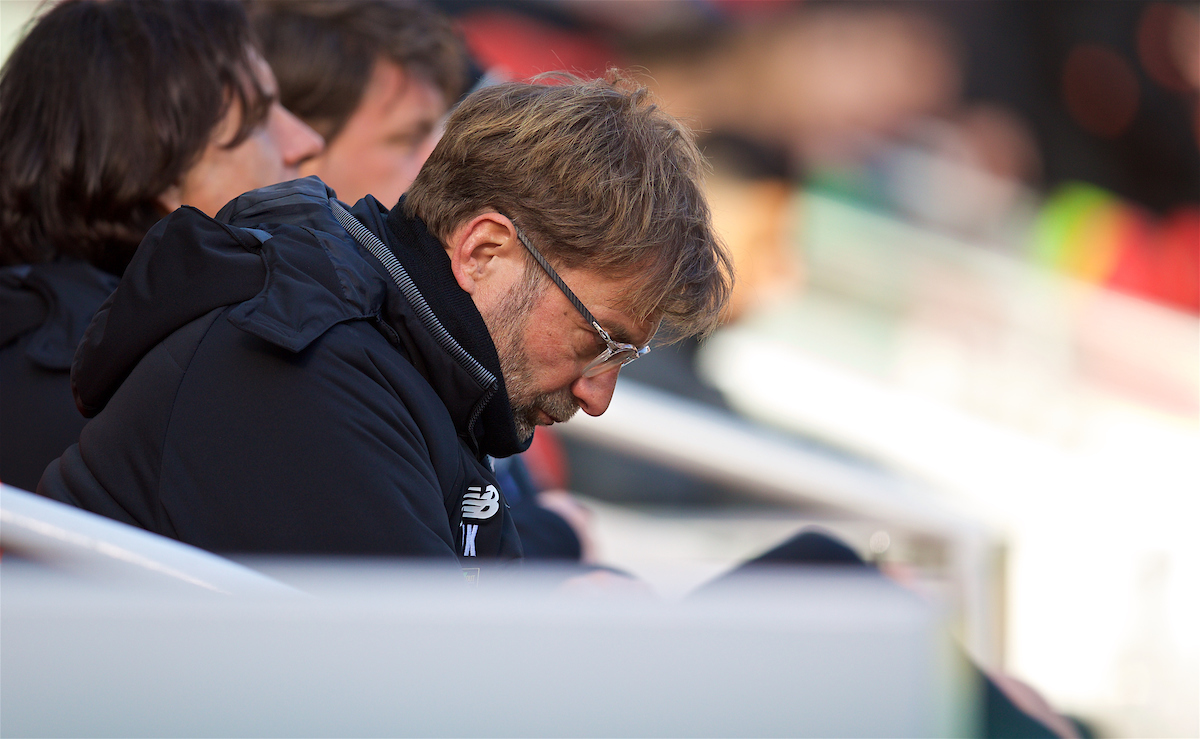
(600, 177)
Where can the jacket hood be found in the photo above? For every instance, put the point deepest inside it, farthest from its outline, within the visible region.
(293, 271)
(186, 265)
(55, 301)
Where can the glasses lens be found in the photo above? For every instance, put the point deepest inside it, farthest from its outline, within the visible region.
(607, 362)
(604, 363)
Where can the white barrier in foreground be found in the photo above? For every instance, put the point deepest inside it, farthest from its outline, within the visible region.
(387, 649)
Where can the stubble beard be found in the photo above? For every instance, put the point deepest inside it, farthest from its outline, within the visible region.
(528, 407)
(508, 329)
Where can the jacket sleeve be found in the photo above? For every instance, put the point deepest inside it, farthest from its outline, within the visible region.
(340, 448)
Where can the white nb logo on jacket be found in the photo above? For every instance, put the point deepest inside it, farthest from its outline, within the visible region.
(480, 503)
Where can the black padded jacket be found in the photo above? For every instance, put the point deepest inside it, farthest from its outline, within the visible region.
(44, 309)
(259, 384)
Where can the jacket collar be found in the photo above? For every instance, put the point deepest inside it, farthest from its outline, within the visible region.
(485, 419)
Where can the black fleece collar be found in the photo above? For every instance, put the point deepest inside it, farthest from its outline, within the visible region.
(424, 258)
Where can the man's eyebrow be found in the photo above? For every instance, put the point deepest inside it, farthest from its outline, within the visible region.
(619, 333)
(615, 331)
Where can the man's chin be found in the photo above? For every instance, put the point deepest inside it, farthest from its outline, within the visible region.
(525, 420)
(549, 411)
(524, 432)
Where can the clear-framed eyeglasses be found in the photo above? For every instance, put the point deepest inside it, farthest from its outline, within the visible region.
(616, 354)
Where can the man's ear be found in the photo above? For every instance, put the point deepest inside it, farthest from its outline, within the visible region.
(484, 251)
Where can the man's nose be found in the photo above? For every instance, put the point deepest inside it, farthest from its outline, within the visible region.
(595, 393)
(297, 141)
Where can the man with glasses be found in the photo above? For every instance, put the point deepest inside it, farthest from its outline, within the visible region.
(318, 378)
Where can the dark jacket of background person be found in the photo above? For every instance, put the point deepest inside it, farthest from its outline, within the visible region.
(285, 397)
(44, 309)
(545, 535)
(104, 107)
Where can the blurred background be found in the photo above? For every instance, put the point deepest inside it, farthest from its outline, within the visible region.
(968, 243)
(966, 337)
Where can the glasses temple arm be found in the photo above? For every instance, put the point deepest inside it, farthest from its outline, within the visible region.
(545, 265)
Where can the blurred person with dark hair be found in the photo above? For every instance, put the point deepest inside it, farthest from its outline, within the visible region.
(113, 114)
(374, 77)
(326, 379)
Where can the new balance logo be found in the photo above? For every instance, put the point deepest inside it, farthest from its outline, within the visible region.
(469, 532)
(480, 503)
